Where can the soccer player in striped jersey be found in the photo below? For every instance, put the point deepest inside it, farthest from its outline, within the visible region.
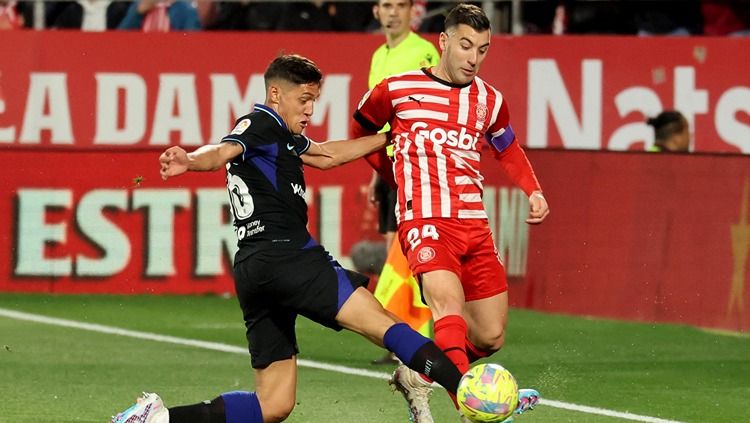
(440, 119)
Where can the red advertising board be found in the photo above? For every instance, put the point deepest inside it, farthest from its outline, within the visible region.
(651, 237)
(631, 235)
(73, 89)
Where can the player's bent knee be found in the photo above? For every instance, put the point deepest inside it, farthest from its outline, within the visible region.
(241, 406)
(277, 409)
(491, 343)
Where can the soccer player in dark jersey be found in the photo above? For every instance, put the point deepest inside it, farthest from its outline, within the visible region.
(440, 119)
(280, 271)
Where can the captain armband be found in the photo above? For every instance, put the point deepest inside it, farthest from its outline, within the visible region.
(501, 139)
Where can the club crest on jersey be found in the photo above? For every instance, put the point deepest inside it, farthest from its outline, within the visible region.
(241, 127)
(481, 111)
(425, 254)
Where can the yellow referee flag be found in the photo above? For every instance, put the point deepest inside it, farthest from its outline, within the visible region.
(399, 292)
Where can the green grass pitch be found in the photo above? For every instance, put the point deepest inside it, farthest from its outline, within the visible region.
(56, 374)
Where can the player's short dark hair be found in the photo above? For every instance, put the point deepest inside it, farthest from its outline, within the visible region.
(467, 14)
(667, 123)
(293, 68)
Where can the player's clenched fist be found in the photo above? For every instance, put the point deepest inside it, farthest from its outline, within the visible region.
(539, 209)
(173, 161)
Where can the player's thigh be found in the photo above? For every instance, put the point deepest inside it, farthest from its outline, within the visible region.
(486, 319)
(363, 314)
(433, 248)
(482, 272)
(270, 326)
(276, 387)
(486, 288)
(317, 287)
(271, 334)
(443, 292)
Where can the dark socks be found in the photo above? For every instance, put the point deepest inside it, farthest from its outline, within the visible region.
(431, 362)
(204, 412)
(422, 355)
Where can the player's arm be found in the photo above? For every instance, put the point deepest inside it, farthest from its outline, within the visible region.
(377, 159)
(507, 150)
(335, 153)
(176, 161)
(372, 114)
(516, 165)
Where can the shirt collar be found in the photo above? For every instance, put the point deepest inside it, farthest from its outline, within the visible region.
(270, 111)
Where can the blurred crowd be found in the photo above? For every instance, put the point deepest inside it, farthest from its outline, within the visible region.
(626, 17)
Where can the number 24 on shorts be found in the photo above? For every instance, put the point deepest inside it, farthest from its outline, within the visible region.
(415, 235)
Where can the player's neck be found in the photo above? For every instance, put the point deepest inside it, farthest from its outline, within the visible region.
(394, 40)
(441, 73)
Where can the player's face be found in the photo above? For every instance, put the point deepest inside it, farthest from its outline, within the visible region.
(394, 16)
(464, 50)
(295, 104)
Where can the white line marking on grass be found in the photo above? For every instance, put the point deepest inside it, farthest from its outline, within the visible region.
(216, 346)
(604, 412)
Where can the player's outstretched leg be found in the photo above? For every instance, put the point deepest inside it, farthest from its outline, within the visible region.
(363, 314)
(148, 408)
(228, 407)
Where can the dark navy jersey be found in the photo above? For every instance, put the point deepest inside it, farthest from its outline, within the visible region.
(266, 184)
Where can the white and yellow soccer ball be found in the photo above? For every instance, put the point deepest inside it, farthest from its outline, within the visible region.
(488, 393)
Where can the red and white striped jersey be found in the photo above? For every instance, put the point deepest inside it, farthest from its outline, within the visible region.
(438, 129)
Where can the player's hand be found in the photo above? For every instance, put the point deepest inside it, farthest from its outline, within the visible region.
(538, 208)
(173, 161)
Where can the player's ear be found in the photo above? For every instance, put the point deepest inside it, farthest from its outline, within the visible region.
(442, 41)
(274, 92)
(375, 8)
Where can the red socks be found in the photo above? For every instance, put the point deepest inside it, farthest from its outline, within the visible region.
(474, 353)
(450, 336)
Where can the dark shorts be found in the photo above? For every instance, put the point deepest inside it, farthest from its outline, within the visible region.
(274, 287)
(386, 206)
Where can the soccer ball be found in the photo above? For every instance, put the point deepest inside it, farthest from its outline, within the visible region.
(487, 393)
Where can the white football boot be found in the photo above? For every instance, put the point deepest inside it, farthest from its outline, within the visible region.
(148, 408)
(416, 391)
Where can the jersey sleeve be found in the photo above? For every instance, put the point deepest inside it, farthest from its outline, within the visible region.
(374, 110)
(244, 134)
(500, 134)
(509, 153)
(301, 144)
